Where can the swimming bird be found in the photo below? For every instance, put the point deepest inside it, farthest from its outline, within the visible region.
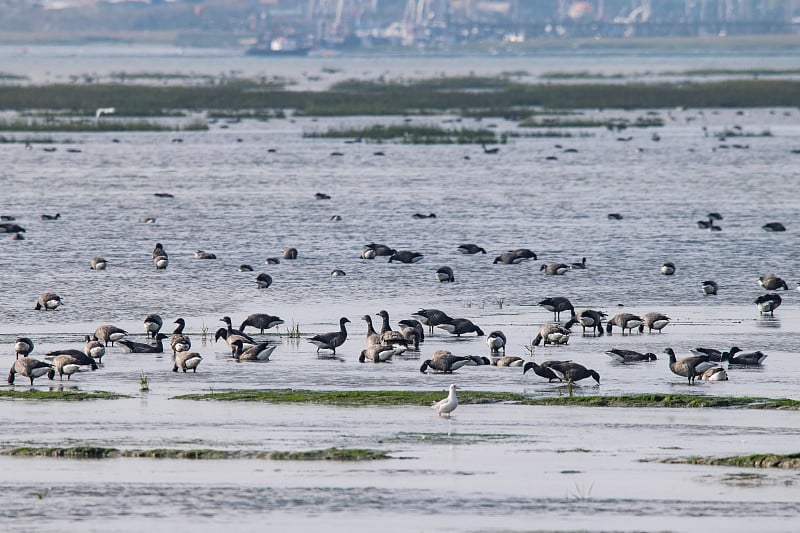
(10, 227)
(245, 268)
(736, 357)
(432, 317)
(448, 405)
(709, 287)
(272, 261)
(64, 364)
(490, 151)
(48, 301)
(688, 367)
(257, 352)
(557, 305)
(587, 318)
(614, 216)
(152, 325)
(30, 368)
(290, 253)
(461, 326)
(555, 269)
(380, 249)
(543, 370)
(187, 361)
(261, 321)
(470, 249)
(772, 282)
(147, 220)
(508, 258)
(376, 353)
(93, 349)
(445, 274)
(322, 196)
(51, 217)
(654, 321)
(579, 266)
(335, 218)
(496, 341)
(420, 216)
(406, 256)
(202, 254)
(552, 334)
(702, 224)
(716, 373)
(332, 340)
(338, 273)
(23, 346)
(443, 361)
(668, 268)
(263, 280)
(773, 226)
(98, 263)
(140, 347)
(109, 334)
(368, 253)
(508, 360)
(572, 372)
(624, 321)
(629, 356)
(767, 303)
(180, 342)
(160, 259)
(524, 253)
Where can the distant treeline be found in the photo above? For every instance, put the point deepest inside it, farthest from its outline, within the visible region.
(460, 95)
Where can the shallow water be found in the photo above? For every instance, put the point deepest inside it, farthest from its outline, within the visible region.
(497, 467)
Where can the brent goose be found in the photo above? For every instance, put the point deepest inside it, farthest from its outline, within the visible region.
(201, 254)
(654, 321)
(336, 273)
(290, 253)
(368, 253)
(51, 217)
(461, 326)
(508, 258)
(187, 361)
(432, 317)
(445, 274)
(421, 216)
(48, 301)
(98, 263)
(572, 372)
(772, 283)
(557, 305)
(152, 325)
(773, 226)
(373, 337)
(588, 318)
(140, 347)
(63, 364)
(376, 353)
(555, 269)
(94, 349)
(257, 352)
(406, 256)
(470, 249)
(668, 268)
(263, 280)
(23, 346)
(245, 268)
(412, 331)
(160, 259)
(767, 303)
(579, 266)
(389, 337)
(332, 340)
(449, 404)
(629, 356)
(552, 334)
(179, 342)
(272, 261)
(614, 216)
(261, 321)
(444, 361)
(543, 370)
(322, 195)
(524, 253)
(688, 367)
(709, 287)
(109, 334)
(508, 360)
(496, 340)
(736, 357)
(716, 373)
(624, 321)
(380, 249)
(82, 358)
(28, 367)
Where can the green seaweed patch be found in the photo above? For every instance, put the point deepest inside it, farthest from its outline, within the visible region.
(330, 454)
(354, 398)
(758, 460)
(59, 395)
(668, 400)
(98, 452)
